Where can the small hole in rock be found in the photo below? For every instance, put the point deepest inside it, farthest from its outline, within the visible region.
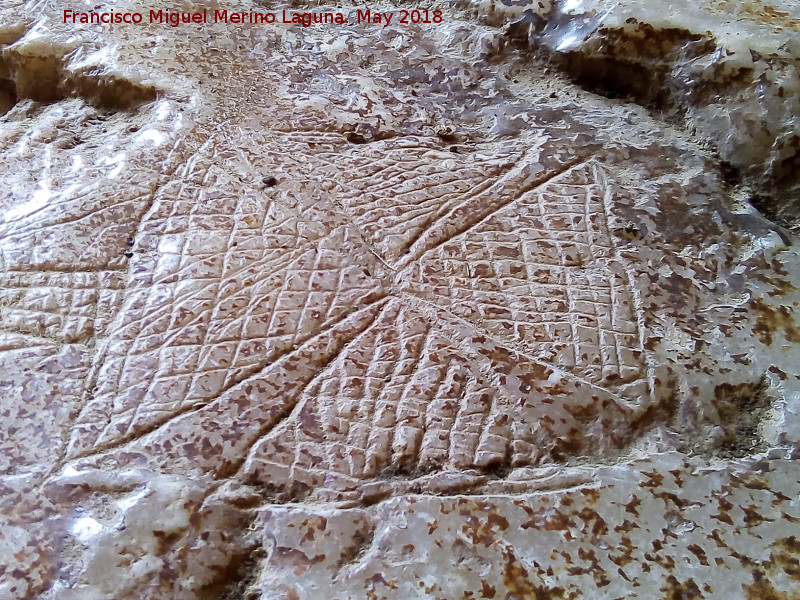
(730, 173)
(355, 138)
(270, 181)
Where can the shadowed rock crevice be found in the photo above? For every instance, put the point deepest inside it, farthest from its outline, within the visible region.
(637, 66)
(8, 96)
(8, 90)
(240, 580)
(40, 72)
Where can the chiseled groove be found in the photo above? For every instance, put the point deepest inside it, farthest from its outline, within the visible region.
(501, 164)
(415, 454)
(253, 369)
(431, 308)
(405, 173)
(491, 208)
(200, 318)
(390, 162)
(102, 351)
(277, 265)
(299, 135)
(410, 211)
(292, 407)
(69, 219)
(338, 135)
(365, 412)
(528, 487)
(409, 382)
(152, 427)
(498, 171)
(636, 300)
(13, 341)
(459, 200)
(458, 417)
(450, 382)
(398, 370)
(150, 317)
(435, 197)
(542, 322)
(61, 268)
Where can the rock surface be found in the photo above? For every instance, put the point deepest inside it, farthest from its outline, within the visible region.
(402, 311)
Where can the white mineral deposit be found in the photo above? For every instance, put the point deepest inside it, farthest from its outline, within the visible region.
(472, 299)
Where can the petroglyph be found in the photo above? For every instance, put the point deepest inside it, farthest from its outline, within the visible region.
(388, 312)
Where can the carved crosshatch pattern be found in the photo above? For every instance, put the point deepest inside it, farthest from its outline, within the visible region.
(521, 263)
(542, 273)
(523, 254)
(237, 288)
(362, 308)
(539, 274)
(67, 307)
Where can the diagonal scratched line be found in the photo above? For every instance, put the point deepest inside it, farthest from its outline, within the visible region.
(408, 383)
(398, 370)
(285, 416)
(505, 173)
(407, 173)
(253, 370)
(364, 413)
(14, 340)
(101, 352)
(440, 194)
(600, 176)
(283, 263)
(394, 163)
(73, 219)
(399, 159)
(490, 209)
(137, 410)
(152, 203)
(429, 307)
(59, 268)
(128, 437)
(172, 304)
(465, 198)
(411, 210)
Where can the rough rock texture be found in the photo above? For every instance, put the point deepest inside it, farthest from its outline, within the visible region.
(729, 71)
(354, 311)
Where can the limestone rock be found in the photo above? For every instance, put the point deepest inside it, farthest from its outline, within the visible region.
(400, 310)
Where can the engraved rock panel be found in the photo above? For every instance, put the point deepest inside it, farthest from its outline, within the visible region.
(392, 312)
(227, 284)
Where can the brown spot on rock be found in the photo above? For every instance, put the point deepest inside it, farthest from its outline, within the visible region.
(762, 589)
(520, 587)
(675, 590)
(770, 320)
